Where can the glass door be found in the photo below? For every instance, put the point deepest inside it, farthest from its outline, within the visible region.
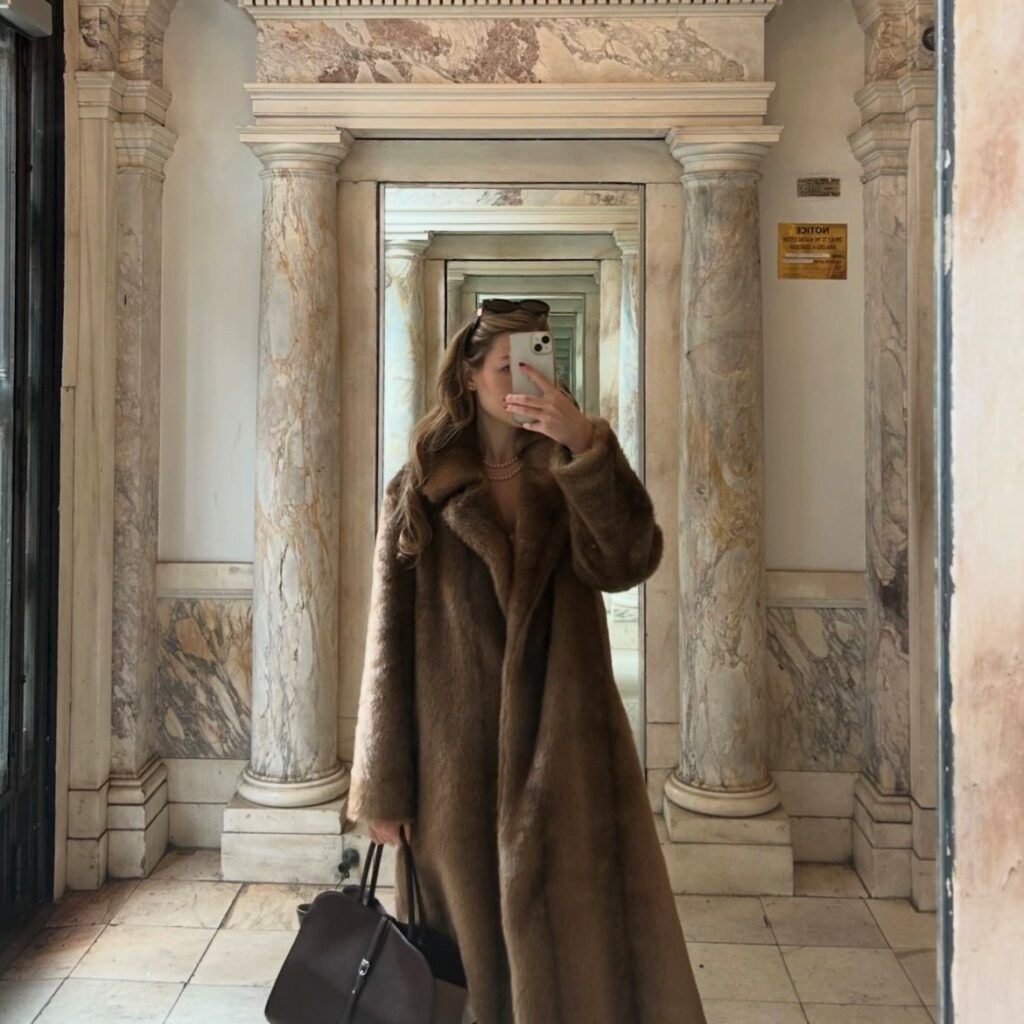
(31, 246)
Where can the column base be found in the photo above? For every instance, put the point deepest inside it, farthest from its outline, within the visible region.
(273, 793)
(283, 844)
(137, 821)
(711, 855)
(882, 840)
(745, 803)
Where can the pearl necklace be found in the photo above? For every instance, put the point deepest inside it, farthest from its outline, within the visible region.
(501, 465)
(505, 476)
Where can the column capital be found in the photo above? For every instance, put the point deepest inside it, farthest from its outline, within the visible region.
(882, 146)
(721, 150)
(411, 246)
(628, 240)
(298, 147)
(143, 145)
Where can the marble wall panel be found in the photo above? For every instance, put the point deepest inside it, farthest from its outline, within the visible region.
(659, 48)
(816, 696)
(815, 681)
(204, 668)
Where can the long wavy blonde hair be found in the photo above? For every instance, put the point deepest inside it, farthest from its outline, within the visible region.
(453, 412)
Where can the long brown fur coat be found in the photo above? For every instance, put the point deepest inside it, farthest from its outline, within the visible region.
(489, 716)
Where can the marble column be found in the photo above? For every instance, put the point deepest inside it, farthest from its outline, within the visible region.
(137, 802)
(294, 747)
(294, 759)
(611, 311)
(723, 768)
(629, 346)
(404, 347)
(895, 815)
(453, 290)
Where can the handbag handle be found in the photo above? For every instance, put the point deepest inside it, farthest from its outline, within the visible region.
(372, 855)
(417, 924)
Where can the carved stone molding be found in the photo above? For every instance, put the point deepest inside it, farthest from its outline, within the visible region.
(126, 36)
(321, 9)
(503, 110)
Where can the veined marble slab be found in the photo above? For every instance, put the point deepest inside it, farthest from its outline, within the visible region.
(669, 48)
(816, 688)
(204, 697)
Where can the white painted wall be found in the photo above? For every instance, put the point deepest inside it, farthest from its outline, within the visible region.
(813, 340)
(210, 300)
(814, 330)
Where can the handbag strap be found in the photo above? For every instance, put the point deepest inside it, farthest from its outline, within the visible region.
(365, 966)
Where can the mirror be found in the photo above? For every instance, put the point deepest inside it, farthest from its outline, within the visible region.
(446, 249)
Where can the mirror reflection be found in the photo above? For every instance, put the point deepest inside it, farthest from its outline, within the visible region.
(447, 249)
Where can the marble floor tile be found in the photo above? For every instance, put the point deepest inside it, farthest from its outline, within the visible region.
(239, 956)
(21, 1000)
(830, 1013)
(751, 973)
(92, 906)
(135, 952)
(220, 1004)
(86, 1001)
(833, 974)
(196, 864)
(826, 880)
(53, 952)
(270, 906)
(168, 901)
(723, 919)
(736, 1011)
(821, 921)
(903, 926)
(922, 967)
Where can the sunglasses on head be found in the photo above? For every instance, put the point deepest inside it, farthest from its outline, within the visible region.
(535, 307)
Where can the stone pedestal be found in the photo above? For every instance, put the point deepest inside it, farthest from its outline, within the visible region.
(288, 813)
(722, 807)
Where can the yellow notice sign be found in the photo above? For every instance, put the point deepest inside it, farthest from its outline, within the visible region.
(812, 252)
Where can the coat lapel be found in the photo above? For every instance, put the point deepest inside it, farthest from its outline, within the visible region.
(457, 484)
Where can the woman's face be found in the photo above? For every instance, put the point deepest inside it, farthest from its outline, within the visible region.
(493, 381)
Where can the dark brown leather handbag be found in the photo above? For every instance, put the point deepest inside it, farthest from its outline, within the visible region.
(354, 963)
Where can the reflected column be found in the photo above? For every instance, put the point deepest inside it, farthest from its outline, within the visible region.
(453, 291)
(723, 767)
(628, 242)
(404, 347)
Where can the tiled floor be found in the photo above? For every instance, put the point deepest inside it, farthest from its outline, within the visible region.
(184, 947)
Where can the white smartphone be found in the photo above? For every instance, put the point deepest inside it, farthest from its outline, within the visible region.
(537, 348)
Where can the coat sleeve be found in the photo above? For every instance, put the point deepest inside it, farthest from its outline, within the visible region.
(383, 783)
(616, 542)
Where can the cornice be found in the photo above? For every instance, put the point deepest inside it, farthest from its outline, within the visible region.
(510, 110)
(333, 9)
(510, 220)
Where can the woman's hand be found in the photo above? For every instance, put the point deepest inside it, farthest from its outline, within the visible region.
(387, 831)
(555, 413)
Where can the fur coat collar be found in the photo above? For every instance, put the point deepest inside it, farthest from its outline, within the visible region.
(457, 483)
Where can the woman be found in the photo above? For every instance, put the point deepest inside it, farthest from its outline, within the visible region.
(489, 719)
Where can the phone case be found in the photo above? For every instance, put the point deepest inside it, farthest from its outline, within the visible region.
(532, 348)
